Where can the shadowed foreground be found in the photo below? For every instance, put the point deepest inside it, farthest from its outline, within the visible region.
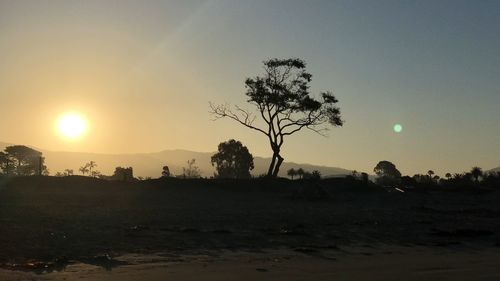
(392, 264)
(55, 223)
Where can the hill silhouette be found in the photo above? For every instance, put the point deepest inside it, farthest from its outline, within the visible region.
(497, 169)
(150, 164)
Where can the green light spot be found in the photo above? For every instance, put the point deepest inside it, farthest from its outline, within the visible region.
(398, 128)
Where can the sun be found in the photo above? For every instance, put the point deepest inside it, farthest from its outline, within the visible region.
(72, 125)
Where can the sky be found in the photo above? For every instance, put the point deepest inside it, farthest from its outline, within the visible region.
(142, 74)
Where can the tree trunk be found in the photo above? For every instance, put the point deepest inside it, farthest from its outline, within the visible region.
(278, 164)
(40, 166)
(271, 166)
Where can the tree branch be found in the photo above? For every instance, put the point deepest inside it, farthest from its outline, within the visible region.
(245, 118)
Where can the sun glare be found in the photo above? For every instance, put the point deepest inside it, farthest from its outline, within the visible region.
(71, 126)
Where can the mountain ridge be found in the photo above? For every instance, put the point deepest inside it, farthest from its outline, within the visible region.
(497, 169)
(150, 164)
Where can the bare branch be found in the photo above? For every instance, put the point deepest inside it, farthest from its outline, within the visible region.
(319, 131)
(245, 118)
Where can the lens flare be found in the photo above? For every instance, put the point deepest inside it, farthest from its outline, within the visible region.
(398, 128)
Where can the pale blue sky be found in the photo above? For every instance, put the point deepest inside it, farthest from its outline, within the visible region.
(143, 72)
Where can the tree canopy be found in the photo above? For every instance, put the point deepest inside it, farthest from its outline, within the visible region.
(476, 173)
(387, 173)
(291, 173)
(233, 160)
(123, 174)
(20, 160)
(284, 104)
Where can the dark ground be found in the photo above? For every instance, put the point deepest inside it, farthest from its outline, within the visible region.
(83, 219)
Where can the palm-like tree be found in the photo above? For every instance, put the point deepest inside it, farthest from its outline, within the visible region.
(91, 165)
(95, 174)
(84, 169)
(476, 172)
(430, 174)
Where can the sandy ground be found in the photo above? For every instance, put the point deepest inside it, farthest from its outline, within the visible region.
(385, 263)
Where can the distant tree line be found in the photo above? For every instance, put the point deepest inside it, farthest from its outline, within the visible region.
(389, 175)
(66, 173)
(302, 174)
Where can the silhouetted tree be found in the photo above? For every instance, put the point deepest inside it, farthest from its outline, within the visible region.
(282, 99)
(165, 173)
(91, 165)
(461, 180)
(306, 175)
(21, 160)
(476, 173)
(232, 160)
(300, 173)
(430, 174)
(316, 174)
(191, 171)
(291, 173)
(492, 179)
(354, 174)
(123, 174)
(419, 178)
(95, 174)
(66, 173)
(6, 164)
(89, 168)
(84, 169)
(448, 176)
(408, 182)
(387, 173)
(364, 178)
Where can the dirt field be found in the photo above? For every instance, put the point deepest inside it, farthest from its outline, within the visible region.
(49, 224)
(362, 264)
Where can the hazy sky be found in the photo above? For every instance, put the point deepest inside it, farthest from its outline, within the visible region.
(142, 74)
